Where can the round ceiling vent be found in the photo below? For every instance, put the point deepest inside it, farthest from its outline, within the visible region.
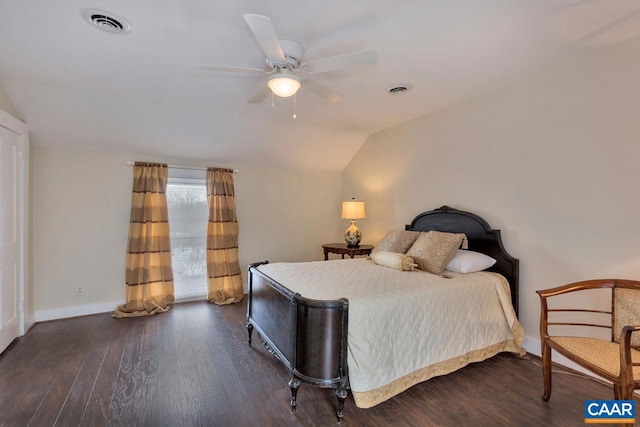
(106, 21)
(398, 88)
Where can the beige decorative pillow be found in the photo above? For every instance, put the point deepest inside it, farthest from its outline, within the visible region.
(395, 260)
(398, 241)
(434, 249)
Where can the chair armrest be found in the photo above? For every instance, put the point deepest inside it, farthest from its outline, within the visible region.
(627, 330)
(626, 364)
(625, 336)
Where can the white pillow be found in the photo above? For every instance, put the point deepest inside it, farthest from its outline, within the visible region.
(395, 260)
(464, 261)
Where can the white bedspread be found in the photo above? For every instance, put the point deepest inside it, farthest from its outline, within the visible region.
(401, 322)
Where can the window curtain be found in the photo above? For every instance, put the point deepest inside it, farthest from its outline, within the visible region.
(223, 268)
(149, 277)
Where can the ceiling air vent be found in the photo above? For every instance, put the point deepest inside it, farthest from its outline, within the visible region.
(398, 88)
(106, 21)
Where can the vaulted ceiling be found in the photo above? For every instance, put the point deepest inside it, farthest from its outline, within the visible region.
(80, 87)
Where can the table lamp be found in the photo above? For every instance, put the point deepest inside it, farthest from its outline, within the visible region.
(353, 210)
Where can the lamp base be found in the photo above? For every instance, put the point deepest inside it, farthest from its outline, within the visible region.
(352, 236)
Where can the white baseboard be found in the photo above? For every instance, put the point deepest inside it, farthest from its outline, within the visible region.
(84, 310)
(103, 307)
(79, 310)
(190, 298)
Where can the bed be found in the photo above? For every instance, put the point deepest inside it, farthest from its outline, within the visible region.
(352, 324)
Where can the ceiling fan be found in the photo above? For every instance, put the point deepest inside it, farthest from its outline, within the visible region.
(284, 64)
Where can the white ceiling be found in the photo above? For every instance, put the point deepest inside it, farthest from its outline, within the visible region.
(79, 87)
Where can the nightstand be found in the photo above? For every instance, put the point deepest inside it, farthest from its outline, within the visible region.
(342, 249)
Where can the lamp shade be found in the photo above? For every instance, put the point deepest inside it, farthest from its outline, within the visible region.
(353, 210)
(283, 86)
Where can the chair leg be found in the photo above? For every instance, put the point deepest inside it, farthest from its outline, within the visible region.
(546, 371)
(341, 394)
(623, 392)
(294, 383)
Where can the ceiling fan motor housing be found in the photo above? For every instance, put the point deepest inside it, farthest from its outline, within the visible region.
(293, 52)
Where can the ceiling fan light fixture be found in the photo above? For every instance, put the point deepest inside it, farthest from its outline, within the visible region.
(284, 86)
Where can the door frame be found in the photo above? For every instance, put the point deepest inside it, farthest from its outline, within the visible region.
(25, 305)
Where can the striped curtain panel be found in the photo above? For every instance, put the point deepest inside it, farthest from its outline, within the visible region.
(148, 264)
(223, 268)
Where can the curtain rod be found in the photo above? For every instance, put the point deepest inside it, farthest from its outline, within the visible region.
(195, 168)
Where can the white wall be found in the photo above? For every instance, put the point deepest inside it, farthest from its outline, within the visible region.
(81, 210)
(551, 160)
(5, 102)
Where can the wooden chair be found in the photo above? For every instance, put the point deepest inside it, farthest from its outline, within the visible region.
(617, 360)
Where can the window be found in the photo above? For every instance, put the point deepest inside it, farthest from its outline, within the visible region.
(188, 219)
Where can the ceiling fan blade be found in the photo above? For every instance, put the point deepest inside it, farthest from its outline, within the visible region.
(211, 67)
(264, 32)
(354, 59)
(322, 91)
(262, 93)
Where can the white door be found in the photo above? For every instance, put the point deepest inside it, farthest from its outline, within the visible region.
(10, 236)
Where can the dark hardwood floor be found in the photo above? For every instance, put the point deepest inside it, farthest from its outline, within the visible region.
(192, 366)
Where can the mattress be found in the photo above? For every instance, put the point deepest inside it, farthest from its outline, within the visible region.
(408, 326)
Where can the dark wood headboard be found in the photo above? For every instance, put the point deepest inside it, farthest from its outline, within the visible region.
(481, 239)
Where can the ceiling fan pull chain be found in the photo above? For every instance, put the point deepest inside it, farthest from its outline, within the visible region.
(273, 105)
(294, 105)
